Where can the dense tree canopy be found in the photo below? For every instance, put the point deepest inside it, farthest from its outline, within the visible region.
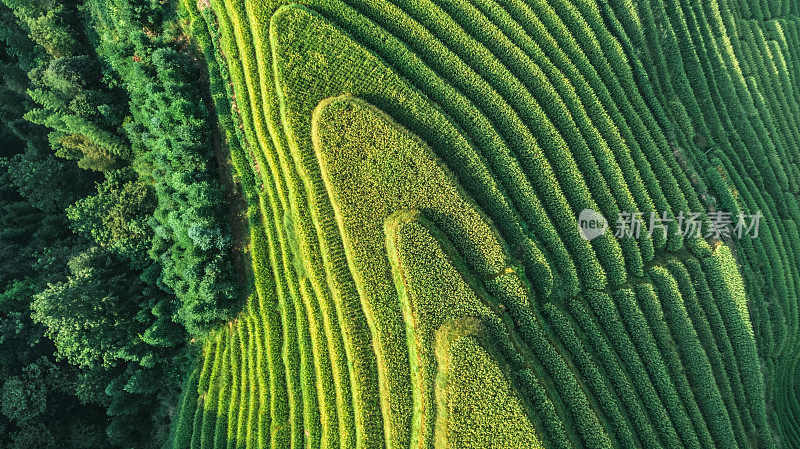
(113, 239)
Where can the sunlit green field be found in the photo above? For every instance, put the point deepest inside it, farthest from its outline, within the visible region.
(415, 171)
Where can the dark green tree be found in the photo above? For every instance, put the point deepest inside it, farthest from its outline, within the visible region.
(94, 316)
(116, 217)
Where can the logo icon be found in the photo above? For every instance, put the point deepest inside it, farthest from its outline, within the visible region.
(592, 224)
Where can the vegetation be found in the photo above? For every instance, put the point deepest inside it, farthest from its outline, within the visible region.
(360, 224)
(487, 127)
(115, 242)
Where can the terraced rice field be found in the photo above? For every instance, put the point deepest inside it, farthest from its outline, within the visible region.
(415, 171)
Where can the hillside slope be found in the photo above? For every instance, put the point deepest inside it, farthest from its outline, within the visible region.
(417, 174)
